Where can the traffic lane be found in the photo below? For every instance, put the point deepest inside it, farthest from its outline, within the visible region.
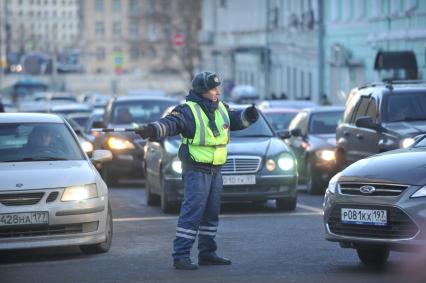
(268, 247)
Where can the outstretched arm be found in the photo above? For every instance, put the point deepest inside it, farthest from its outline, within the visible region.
(241, 119)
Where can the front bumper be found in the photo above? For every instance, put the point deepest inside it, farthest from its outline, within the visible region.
(266, 187)
(70, 223)
(405, 230)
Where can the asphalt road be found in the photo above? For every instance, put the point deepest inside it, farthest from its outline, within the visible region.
(264, 245)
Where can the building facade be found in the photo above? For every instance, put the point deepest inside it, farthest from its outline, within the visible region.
(51, 26)
(359, 34)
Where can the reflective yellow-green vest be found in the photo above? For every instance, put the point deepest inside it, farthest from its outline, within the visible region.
(205, 147)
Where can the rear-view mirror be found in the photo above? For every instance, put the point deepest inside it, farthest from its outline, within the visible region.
(296, 132)
(283, 134)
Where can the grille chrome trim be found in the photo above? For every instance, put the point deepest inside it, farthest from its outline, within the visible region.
(382, 189)
(237, 164)
(20, 198)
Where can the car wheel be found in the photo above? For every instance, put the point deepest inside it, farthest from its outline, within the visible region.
(373, 255)
(151, 199)
(286, 204)
(109, 178)
(314, 186)
(167, 206)
(105, 246)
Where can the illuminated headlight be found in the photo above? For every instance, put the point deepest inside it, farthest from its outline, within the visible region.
(177, 166)
(286, 162)
(326, 155)
(270, 165)
(332, 185)
(117, 143)
(86, 146)
(76, 193)
(419, 193)
(407, 142)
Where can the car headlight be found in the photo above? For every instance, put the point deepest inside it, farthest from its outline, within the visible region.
(270, 165)
(286, 162)
(326, 155)
(117, 143)
(419, 193)
(332, 185)
(86, 146)
(76, 193)
(407, 142)
(177, 166)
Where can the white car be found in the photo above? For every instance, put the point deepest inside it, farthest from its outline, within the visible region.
(50, 192)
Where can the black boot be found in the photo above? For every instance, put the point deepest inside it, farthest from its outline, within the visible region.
(213, 260)
(185, 264)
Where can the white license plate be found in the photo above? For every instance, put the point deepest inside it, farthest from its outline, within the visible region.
(24, 218)
(376, 217)
(239, 180)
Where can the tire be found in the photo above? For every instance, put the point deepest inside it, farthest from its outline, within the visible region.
(166, 205)
(105, 246)
(109, 178)
(314, 186)
(286, 204)
(374, 255)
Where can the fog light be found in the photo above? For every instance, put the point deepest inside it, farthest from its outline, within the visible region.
(270, 165)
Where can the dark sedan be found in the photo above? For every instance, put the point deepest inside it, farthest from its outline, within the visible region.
(127, 147)
(280, 118)
(313, 141)
(378, 204)
(259, 167)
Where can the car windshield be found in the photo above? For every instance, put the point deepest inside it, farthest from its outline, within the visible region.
(325, 122)
(421, 143)
(259, 129)
(37, 142)
(143, 111)
(405, 107)
(280, 121)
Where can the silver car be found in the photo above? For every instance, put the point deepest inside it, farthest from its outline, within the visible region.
(378, 204)
(50, 192)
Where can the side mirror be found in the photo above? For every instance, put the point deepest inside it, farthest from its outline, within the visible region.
(283, 134)
(78, 132)
(296, 132)
(101, 155)
(98, 124)
(367, 122)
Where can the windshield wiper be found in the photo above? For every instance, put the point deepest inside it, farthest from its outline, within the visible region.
(43, 158)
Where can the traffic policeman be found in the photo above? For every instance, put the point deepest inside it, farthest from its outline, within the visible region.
(204, 123)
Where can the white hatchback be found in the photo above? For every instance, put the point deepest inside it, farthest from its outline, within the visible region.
(50, 192)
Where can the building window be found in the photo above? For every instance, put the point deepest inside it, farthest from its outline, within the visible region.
(359, 9)
(223, 3)
(152, 35)
(100, 5)
(133, 29)
(100, 53)
(335, 10)
(135, 52)
(116, 29)
(99, 29)
(116, 6)
(152, 53)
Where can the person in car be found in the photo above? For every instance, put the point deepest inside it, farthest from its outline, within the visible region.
(204, 123)
(39, 141)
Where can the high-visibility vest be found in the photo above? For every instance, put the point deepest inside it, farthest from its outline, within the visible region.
(205, 147)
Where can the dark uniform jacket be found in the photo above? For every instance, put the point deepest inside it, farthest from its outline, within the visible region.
(182, 121)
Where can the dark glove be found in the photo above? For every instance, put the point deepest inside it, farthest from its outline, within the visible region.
(146, 131)
(251, 114)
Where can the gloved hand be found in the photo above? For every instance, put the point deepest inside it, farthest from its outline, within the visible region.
(251, 114)
(145, 131)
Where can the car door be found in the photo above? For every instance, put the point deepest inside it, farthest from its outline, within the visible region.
(357, 137)
(368, 139)
(299, 144)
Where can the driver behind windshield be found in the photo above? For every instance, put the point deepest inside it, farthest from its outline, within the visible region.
(39, 140)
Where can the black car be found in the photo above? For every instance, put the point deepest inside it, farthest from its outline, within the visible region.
(259, 167)
(127, 147)
(380, 117)
(313, 141)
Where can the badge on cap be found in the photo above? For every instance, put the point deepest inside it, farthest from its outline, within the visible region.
(216, 79)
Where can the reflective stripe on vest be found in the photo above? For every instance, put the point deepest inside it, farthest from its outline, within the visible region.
(205, 147)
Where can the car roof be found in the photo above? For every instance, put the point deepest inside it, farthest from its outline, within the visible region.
(29, 118)
(280, 110)
(142, 98)
(323, 109)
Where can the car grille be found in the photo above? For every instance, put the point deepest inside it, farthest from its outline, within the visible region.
(14, 199)
(241, 164)
(381, 189)
(399, 226)
(52, 196)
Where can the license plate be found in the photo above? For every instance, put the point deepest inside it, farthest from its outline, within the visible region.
(239, 180)
(376, 217)
(24, 218)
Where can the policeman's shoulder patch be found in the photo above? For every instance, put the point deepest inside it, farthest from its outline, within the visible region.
(175, 113)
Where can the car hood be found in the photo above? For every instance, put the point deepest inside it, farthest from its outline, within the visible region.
(407, 128)
(244, 146)
(403, 166)
(44, 174)
(324, 141)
